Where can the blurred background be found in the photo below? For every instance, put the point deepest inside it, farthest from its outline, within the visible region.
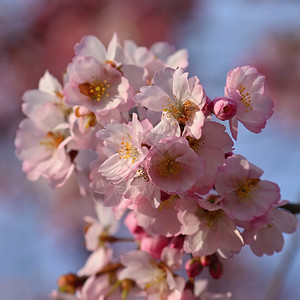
(41, 230)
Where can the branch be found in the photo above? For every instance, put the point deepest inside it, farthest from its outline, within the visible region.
(292, 207)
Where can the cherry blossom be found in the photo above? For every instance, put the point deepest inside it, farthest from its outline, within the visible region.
(246, 86)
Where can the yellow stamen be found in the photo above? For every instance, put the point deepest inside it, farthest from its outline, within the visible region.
(169, 167)
(246, 99)
(246, 187)
(95, 90)
(182, 112)
(128, 151)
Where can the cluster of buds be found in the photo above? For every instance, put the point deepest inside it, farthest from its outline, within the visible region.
(158, 151)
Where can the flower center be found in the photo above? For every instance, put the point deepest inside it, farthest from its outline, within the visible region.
(246, 187)
(95, 90)
(90, 117)
(246, 99)
(52, 140)
(195, 144)
(127, 150)
(169, 167)
(168, 203)
(182, 112)
(212, 217)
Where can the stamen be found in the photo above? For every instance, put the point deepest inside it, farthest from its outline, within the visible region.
(169, 167)
(246, 99)
(246, 187)
(52, 139)
(128, 151)
(182, 112)
(95, 90)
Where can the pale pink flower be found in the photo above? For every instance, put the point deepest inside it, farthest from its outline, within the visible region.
(96, 261)
(267, 238)
(156, 279)
(245, 195)
(159, 56)
(162, 220)
(93, 47)
(99, 87)
(105, 225)
(173, 166)
(41, 145)
(49, 91)
(209, 232)
(124, 143)
(212, 146)
(246, 86)
(179, 99)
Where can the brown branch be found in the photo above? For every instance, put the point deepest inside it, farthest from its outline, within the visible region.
(292, 207)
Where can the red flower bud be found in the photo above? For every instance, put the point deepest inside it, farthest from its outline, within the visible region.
(216, 270)
(193, 267)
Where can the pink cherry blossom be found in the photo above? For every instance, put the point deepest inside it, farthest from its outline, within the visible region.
(124, 143)
(173, 166)
(156, 279)
(179, 99)
(209, 232)
(99, 87)
(246, 86)
(93, 47)
(268, 238)
(245, 195)
(212, 146)
(41, 145)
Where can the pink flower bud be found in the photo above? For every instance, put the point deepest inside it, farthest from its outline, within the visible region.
(154, 245)
(207, 108)
(216, 270)
(193, 267)
(224, 108)
(136, 230)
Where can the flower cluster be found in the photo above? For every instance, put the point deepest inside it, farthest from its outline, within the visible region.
(158, 150)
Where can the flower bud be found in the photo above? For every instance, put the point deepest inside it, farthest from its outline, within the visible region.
(224, 108)
(193, 267)
(208, 260)
(207, 108)
(216, 270)
(68, 283)
(154, 245)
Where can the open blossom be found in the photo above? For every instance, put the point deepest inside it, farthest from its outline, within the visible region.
(93, 47)
(99, 87)
(245, 195)
(123, 142)
(173, 166)
(49, 91)
(179, 99)
(246, 86)
(156, 279)
(209, 232)
(266, 237)
(97, 229)
(41, 145)
(212, 146)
